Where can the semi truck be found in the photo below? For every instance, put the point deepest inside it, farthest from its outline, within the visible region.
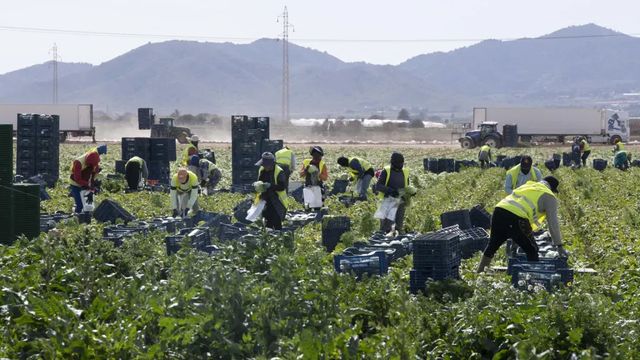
(551, 124)
(75, 119)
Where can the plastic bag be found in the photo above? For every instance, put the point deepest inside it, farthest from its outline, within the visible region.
(387, 209)
(312, 196)
(255, 212)
(87, 200)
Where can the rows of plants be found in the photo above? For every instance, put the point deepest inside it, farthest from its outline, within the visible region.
(69, 294)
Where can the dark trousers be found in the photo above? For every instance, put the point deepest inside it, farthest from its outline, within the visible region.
(484, 164)
(506, 225)
(585, 155)
(75, 194)
(271, 216)
(385, 224)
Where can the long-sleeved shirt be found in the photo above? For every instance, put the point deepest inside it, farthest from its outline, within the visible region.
(549, 205)
(396, 181)
(522, 178)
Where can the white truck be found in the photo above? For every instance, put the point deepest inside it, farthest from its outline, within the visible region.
(598, 125)
(75, 119)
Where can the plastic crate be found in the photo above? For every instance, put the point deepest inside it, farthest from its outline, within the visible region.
(446, 165)
(436, 250)
(245, 148)
(374, 264)
(550, 165)
(525, 279)
(599, 164)
(419, 278)
(296, 191)
(566, 159)
(479, 217)
(332, 229)
(110, 211)
(339, 187)
(271, 146)
(173, 243)
(541, 264)
(458, 217)
(228, 232)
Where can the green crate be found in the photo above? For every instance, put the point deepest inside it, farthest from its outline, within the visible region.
(26, 210)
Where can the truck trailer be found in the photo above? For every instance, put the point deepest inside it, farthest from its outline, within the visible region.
(540, 124)
(75, 119)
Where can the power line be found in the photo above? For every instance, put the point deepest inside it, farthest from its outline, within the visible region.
(337, 40)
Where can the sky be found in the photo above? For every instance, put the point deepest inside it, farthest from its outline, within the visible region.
(378, 32)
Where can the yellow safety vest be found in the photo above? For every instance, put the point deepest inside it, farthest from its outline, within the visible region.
(136, 159)
(515, 171)
(387, 168)
(306, 163)
(83, 162)
(485, 148)
(619, 146)
(523, 202)
(185, 153)
(282, 195)
(191, 183)
(364, 163)
(283, 157)
(586, 146)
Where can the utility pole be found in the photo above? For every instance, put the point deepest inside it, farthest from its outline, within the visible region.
(285, 65)
(54, 50)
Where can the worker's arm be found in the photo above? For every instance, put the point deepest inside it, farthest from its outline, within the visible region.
(192, 197)
(145, 170)
(303, 171)
(282, 180)
(549, 204)
(324, 173)
(538, 173)
(293, 161)
(355, 165)
(382, 180)
(508, 186)
(77, 174)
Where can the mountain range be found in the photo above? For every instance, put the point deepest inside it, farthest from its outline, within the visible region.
(569, 65)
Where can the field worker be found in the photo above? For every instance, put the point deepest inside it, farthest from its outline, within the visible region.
(270, 187)
(484, 156)
(519, 214)
(585, 148)
(617, 145)
(360, 171)
(286, 159)
(575, 153)
(314, 171)
(393, 182)
(207, 172)
(520, 174)
(84, 171)
(190, 150)
(136, 172)
(622, 160)
(184, 193)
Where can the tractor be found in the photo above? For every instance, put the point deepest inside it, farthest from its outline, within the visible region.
(164, 128)
(487, 134)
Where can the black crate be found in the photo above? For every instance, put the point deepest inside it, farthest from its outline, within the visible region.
(173, 243)
(242, 122)
(599, 164)
(228, 232)
(240, 210)
(419, 278)
(271, 146)
(339, 186)
(446, 165)
(295, 191)
(240, 162)
(436, 249)
(550, 165)
(244, 176)
(262, 122)
(110, 211)
(27, 125)
(479, 217)
(458, 217)
(163, 149)
(566, 159)
(145, 118)
(524, 278)
(26, 210)
(432, 166)
(332, 229)
(120, 166)
(27, 143)
(542, 263)
(245, 149)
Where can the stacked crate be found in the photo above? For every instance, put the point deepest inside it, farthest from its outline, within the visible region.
(436, 256)
(26, 210)
(156, 152)
(6, 178)
(332, 229)
(38, 147)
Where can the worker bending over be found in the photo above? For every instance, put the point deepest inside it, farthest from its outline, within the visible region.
(286, 159)
(360, 171)
(585, 148)
(484, 156)
(184, 193)
(190, 150)
(519, 214)
(136, 172)
(520, 174)
(208, 173)
(84, 171)
(314, 171)
(622, 160)
(270, 187)
(617, 145)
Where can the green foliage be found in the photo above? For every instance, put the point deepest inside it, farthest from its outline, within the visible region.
(71, 295)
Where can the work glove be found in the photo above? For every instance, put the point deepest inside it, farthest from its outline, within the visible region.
(562, 252)
(174, 213)
(410, 191)
(312, 169)
(344, 177)
(258, 186)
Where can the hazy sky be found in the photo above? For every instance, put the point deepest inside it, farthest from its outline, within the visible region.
(327, 25)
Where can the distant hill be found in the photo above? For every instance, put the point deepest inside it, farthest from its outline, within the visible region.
(224, 78)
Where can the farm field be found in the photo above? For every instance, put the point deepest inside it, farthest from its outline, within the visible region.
(72, 295)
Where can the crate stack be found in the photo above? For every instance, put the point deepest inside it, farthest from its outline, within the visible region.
(510, 135)
(436, 256)
(438, 166)
(249, 139)
(38, 147)
(156, 152)
(6, 178)
(26, 210)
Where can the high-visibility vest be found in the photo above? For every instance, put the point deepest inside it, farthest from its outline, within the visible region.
(515, 171)
(282, 195)
(619, 146)
(283, 157)
(185, 153)
(523, 202)
(191, 183)
(405, 172)
(363, 163)
(83, 162)
(306, 163)
(485, 148)
(585, 145)
(136, 159)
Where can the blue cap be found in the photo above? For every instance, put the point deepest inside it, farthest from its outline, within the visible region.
(102, 149)
(194, 161)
